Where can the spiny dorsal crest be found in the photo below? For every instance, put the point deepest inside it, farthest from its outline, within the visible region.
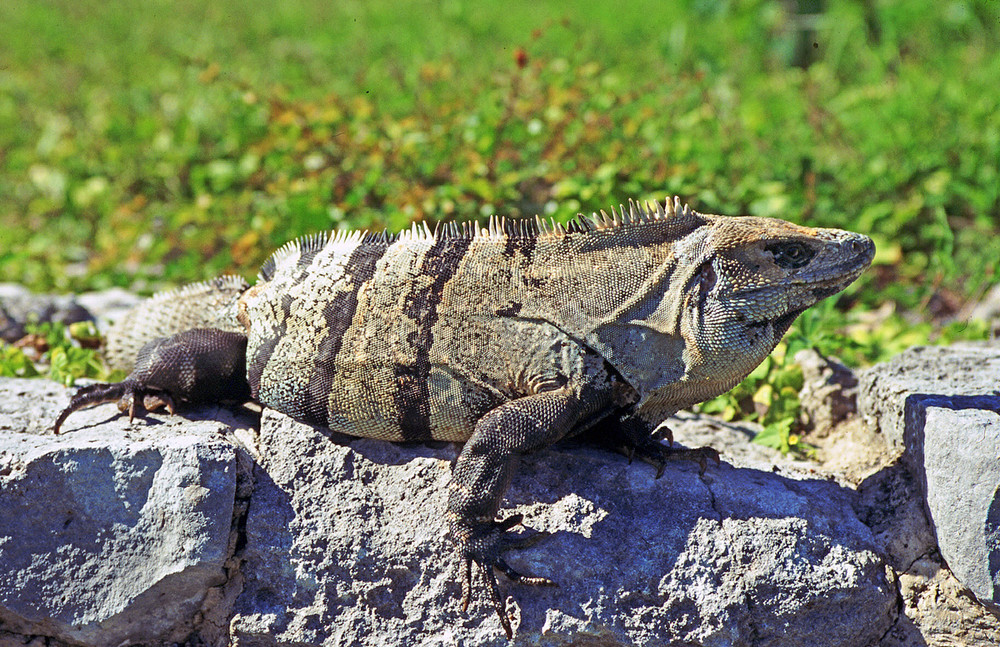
(634, 214)
(498, 227)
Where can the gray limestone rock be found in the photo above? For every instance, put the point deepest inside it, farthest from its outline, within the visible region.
(344, 546)
(110, 534)
(829, 390)
(941, 408)
(889, 391)
(131, 532)
(18, 307)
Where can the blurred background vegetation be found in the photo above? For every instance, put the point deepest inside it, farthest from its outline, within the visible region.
(147, 144)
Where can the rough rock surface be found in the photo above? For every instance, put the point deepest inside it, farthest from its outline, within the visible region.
(961, 373)
(110, 535)
(343, 542)
(942, 408)
(829, 390)
(344, 547)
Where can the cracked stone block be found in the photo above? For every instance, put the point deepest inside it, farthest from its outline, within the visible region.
(345, 545)
(942, 408)
(962, 475)
(960, 371)
(111, 534)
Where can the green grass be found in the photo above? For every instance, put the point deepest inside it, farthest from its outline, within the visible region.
(156, 143)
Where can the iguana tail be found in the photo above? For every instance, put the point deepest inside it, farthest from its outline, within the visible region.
(209, 304)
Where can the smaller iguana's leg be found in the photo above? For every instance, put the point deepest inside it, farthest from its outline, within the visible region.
(200, 365)
(481, 476)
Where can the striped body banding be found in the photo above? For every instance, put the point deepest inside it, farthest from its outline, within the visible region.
(417, 335)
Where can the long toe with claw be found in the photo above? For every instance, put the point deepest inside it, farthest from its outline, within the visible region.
(483, 544)
(131, 397)
(657, 454)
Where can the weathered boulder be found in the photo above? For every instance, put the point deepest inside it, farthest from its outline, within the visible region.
(941, 408)
(109, 534)
(829, 390)
(125, 534)
(344, 546)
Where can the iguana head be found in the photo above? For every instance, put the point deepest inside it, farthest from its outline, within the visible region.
(724, 293)
(750, 279)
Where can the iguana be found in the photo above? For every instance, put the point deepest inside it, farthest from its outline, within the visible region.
(507, 338)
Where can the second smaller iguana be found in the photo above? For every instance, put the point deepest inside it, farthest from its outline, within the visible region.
(507, 338)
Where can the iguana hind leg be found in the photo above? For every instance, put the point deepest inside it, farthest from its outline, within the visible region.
(200, 365)
(482, 474)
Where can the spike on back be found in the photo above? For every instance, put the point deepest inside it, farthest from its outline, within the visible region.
(304, 245)
(635, 214)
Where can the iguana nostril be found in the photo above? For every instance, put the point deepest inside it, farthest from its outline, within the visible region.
(862, 246)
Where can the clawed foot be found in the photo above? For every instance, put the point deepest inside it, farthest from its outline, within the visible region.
(483, 544)
(657, 455)
(131, 396)
(647, 448)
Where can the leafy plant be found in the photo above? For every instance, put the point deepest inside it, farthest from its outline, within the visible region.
(54, 350)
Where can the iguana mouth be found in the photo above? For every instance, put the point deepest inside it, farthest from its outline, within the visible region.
(824, 292)
(835, 277)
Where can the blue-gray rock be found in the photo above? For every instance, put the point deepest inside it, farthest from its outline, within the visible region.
(110, 534)
(941, 408)
(344, 546)
(344, 540)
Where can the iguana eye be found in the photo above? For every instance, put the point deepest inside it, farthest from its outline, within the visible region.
(791, 255)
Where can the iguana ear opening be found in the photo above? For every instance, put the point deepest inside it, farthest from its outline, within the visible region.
(707, 279)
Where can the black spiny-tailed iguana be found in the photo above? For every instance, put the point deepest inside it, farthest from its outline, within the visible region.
(508, 338)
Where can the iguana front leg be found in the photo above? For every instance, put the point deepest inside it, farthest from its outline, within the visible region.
(483, 472)
(636, 438)
(199, 365)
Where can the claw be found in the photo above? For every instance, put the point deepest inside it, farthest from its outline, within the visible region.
(92, 395)
(514, 576)
(154, 401)
(498, 602)
(482, 543)
(466, 583)
(705, 453)
(510, 522)
(665, 433)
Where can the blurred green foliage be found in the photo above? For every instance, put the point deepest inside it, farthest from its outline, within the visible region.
(67, 353)
(155, 143)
